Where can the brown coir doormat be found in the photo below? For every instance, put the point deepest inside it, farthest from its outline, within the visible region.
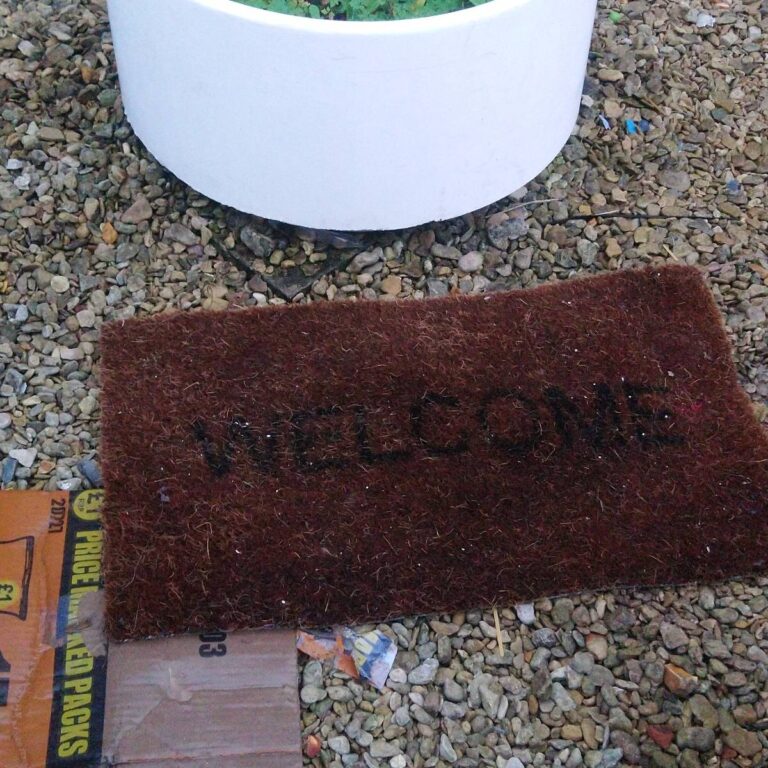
(354, 461)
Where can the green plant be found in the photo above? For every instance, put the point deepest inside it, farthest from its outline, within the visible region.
(362, 10)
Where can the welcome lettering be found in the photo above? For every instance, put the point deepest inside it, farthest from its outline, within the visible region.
(439, 424)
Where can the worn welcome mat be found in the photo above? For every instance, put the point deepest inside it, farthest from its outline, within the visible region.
(342, 462)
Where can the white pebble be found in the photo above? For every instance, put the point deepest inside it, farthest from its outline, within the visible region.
(25, 456)
(525, 613)
(60, 284)
(704, 20)
(86, 318)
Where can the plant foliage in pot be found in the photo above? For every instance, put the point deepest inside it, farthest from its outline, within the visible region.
(362, 10)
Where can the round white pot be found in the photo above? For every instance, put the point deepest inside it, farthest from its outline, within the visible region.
(352, 125)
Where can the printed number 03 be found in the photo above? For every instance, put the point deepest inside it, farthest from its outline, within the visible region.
(213, 644)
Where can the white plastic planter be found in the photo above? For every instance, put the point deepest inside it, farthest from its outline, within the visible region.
(352, 125)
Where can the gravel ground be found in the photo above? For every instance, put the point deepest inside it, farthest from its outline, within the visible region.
(93, 229)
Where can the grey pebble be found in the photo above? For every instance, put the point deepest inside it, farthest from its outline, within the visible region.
(562, 698)
(447, 752)
(501, 235)
(453, 691)
(90, 470)
(544, 638)
(436, 287)
(424, 673)
(380, 748)
(364, 260)
(340, 693)
(311, 694)
(587, 251)
(583, 662)
(611, 758)
(339, 744)
(8, 471)
(676, 180)
(398, 676)
(140, 210)
(181, 234)
(673, 636)
(471, 262)
(401, 717)
(700, 739)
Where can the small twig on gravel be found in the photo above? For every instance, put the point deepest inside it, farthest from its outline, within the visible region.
(499, 640)
(528, 204)
(618, 213)
(643, 102)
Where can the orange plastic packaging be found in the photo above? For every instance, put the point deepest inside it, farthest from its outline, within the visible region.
(51, 686)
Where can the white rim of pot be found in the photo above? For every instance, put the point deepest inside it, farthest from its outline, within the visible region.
(485, 11)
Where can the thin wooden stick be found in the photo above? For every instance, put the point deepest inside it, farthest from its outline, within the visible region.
(499, 641)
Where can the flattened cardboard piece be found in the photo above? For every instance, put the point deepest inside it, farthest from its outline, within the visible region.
(207, 701)
(214, 701)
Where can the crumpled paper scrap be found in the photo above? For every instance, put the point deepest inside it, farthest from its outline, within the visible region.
(369, 656)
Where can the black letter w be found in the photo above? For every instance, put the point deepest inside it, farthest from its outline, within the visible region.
(261, 448)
